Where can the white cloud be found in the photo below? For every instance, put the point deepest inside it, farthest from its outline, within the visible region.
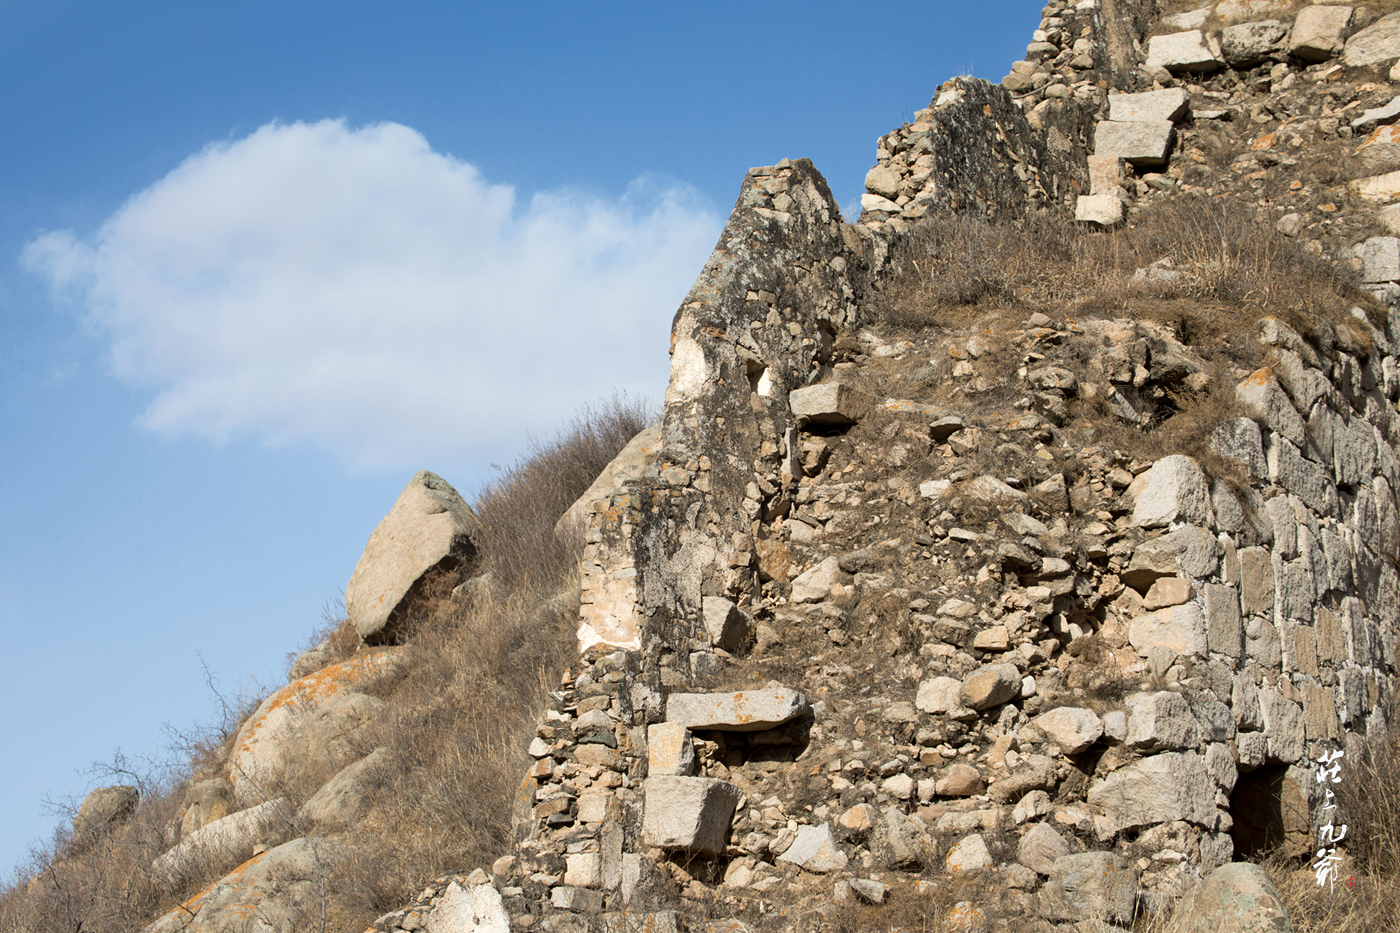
(353, 288)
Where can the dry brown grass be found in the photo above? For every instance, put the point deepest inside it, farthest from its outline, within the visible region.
(1224, 270)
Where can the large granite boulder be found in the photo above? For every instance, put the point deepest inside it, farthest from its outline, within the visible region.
(102, 809)
(224, 843)
(280, 891)
(309, 724)
(430, 527)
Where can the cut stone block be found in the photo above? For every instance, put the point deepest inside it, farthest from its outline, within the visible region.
(1188, 51)
(1141, 143)
(1097, 885)
(1105, 173)
(1149, 106)
(1173, 490)
(1249, 44)
(690, 813)
(1180, 628)
(828, 403)
(1380, 259)
(815, 850)
(1103, 210)
(1318, 32)
(1161, 720)
(1165, 787)
(746, 711)
(669, 749)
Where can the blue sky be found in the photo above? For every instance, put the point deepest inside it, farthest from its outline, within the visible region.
(261, 262)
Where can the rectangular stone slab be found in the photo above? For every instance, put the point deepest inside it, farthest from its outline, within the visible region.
(1139, 142)
(746, 711)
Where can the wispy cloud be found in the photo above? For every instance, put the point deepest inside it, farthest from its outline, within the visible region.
(356, 289)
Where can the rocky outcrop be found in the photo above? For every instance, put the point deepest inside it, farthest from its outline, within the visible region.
(311, 722)
(281, 890)
(225, 842)
(429, 528)
(101, 810)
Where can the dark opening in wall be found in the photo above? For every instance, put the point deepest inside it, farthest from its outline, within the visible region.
(1269, 812)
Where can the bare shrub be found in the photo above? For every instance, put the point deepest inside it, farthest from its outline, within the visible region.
(105, 884)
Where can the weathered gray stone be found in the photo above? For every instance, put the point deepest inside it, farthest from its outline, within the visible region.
(1283, 727)
(1378, 42)
(1143, 144)
(1190, 551)
(968, 855)
(476, 908)
(1182, 629)
(1239, 439)
(1071, 728)
(1380, 257)
(429, 527)
(1178, 52)
(815, 850)
(690, 813)
(1306, 480)
(1354, 447)
(1090, 885)
(1319, 31)
(1261, 643)
(101, 810)
(1173, 490)
(745, 711)
(344, 799)
(990, 686)
(1224, 629)
(1265, 401)
(939, 694)
(1040, 847)
(900, 842)
(636, 460)
(1165, 787)
(728, 625)
(1151, 106)
(814, 584)
(1103, 210)
(285, 885)
(1161, 720)
(224, 843)
(828, 403)
(1236, 898)
(669, 749)
(1248, 44)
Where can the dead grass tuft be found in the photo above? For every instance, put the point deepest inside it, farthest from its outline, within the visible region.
(1210, 272)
